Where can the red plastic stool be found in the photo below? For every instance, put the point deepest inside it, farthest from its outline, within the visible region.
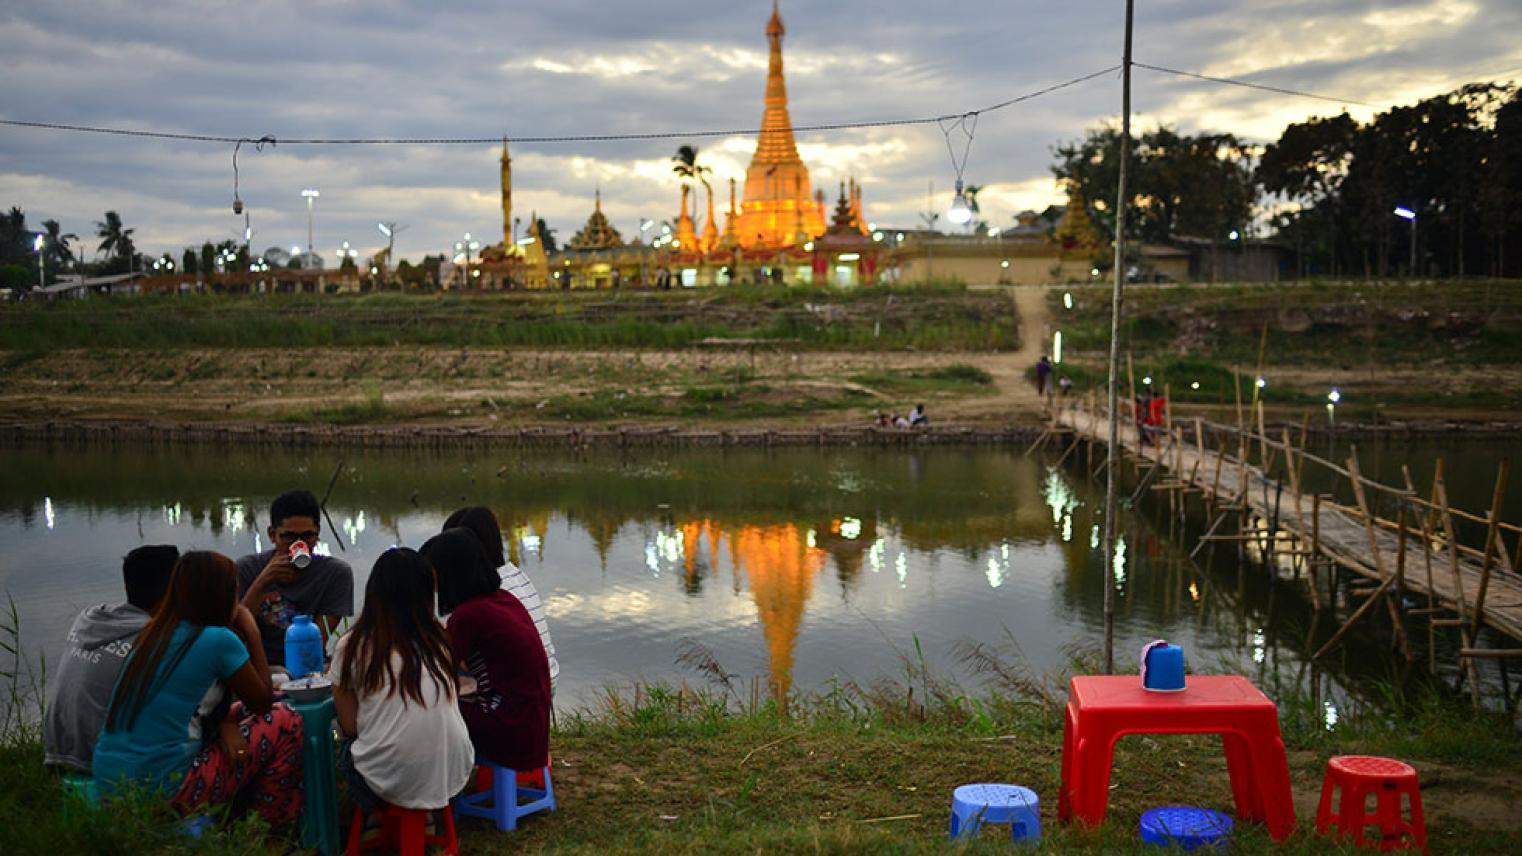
(403, 831)
(526, 778)
(1359, 776)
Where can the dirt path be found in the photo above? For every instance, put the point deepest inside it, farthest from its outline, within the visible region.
(1016, 399)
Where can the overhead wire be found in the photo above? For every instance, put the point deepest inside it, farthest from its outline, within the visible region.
(1249, 85)
(572, 138)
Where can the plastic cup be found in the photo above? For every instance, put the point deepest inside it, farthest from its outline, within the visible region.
(301, 554)
(1165, 669)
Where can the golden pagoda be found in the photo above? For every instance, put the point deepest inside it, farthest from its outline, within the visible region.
(686, 233)
(779, 204)
(508, 238)
(731, 238)
(710, 229)
(1075, 231)
(598, 233)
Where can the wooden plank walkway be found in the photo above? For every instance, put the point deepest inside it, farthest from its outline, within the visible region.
(1342, 534)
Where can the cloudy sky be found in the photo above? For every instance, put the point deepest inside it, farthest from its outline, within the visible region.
(471, 68)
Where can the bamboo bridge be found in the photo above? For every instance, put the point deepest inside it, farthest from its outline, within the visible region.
(1259, 480)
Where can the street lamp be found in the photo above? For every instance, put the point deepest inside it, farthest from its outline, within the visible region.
(466, 247)
(310, 194)
(1405, 213)
(37, 244)
(346, 252)
(644, 226)
(389, 230)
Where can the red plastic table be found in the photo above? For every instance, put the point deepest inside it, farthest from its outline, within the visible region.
(1103, 708)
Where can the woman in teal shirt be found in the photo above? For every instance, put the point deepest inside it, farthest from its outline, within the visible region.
(200, 643)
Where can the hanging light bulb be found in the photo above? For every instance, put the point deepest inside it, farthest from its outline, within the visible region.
(960, 212)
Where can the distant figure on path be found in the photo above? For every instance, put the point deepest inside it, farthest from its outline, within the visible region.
(918, 417)
(1043, 374)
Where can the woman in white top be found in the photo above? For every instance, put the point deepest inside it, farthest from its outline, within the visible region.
(394, 693)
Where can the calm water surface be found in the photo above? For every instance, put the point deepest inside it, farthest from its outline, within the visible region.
(797, 566)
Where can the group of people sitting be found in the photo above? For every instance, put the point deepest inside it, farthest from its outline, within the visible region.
(915, 418)
(175, 691)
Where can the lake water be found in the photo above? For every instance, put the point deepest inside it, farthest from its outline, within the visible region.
(795, 565)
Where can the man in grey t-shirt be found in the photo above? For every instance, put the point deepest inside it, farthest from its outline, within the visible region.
(276, 591)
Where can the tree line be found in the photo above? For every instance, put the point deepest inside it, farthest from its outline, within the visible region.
(1327, 189)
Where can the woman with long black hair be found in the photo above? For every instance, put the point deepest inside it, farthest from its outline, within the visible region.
(394, 694)
(495, 642)
(200, 643)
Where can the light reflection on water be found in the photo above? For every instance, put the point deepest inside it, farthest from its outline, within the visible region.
(796, 566)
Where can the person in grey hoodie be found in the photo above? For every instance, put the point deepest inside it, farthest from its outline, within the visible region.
(93, 656)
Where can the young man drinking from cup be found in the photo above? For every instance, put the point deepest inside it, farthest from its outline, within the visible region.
(289, 579)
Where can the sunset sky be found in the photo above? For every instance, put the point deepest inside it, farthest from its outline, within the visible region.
(397, 68)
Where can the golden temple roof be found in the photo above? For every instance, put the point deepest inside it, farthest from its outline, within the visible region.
(598, 233)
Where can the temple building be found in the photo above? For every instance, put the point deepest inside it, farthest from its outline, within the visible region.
(777, 230)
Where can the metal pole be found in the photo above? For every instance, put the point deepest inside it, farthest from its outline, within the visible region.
(1413, 247)
(1112, 450)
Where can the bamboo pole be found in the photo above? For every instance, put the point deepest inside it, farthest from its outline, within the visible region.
(1357, 614)
(1490, 541)
(1440, 495)
(1378, 555)
(1311, 566)
(1113, 440)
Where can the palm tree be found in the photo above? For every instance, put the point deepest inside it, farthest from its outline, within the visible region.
(685, 164)
(57, 245)
(115, 240)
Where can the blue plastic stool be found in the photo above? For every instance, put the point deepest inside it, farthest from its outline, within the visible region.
(81, 792)
(499, 803)
(974, 805)
(1185, 827)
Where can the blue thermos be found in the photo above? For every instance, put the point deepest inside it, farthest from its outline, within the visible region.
(303, 647)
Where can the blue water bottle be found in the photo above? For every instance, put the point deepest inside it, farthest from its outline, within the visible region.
(303, 647)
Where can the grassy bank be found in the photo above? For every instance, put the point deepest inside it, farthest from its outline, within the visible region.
(1446, 347)
(947, 317)
(865, 768)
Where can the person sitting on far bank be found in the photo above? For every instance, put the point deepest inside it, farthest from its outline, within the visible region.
(200, 643)
(495, 643)
(918, 417)
(96, 648)
(482, 523)
(395, 694)
(275, 590)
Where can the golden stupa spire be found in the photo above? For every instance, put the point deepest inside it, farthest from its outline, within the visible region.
(686, 234)
(1075, 231)
(731, 237)
(710, 229)
(777, 186)
(507, 198)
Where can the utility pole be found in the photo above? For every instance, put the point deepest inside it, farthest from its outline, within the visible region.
(1112, 450)
(37, 244)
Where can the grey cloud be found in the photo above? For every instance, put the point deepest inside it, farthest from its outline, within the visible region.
(465, 69)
